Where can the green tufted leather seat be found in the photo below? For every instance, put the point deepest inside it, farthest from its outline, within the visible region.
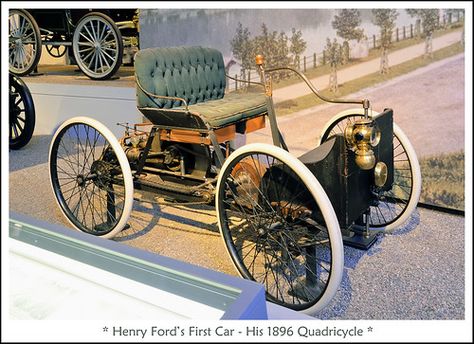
(197, 75)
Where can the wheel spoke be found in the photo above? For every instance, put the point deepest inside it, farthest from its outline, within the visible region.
(91, 197)
(259, 206)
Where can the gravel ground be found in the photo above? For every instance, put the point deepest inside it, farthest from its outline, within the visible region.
(415, 273)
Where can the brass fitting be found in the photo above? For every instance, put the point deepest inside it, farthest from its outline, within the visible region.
(380, 174)
(361, 137)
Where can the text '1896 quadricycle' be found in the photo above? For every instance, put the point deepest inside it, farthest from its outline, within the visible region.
(282, 218)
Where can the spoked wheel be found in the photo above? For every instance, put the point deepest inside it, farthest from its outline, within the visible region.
(395, 206)
(24, 42)
(53, 46)
(279, 227)
(91, 177)
(22, 113)
(97, 45)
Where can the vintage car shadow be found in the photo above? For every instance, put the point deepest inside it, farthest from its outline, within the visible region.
(142, 220)
(145, 217)
(409, 226)
(352, 256)
(34, 153)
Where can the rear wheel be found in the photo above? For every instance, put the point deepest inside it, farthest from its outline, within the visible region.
(91, 177)
(279, 227)
(22, 113)
(396, 205)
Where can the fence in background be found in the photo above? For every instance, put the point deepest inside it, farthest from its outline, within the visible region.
(315, 60)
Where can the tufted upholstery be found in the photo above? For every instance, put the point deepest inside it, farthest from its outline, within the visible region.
(197, 75)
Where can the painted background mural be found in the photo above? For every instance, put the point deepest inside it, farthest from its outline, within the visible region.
(310, 39)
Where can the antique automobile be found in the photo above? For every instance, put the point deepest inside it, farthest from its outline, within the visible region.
(98, 41)
(282, 219)
(22, 113)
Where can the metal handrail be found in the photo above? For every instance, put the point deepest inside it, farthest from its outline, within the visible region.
(315, 90)
(158, 96)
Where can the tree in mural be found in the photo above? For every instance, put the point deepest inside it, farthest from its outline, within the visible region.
(333, 51)
(282, 54)
(385, 19)
(276, 47)
(346, 23)
(297, 45)
(241, 46)
(429, 20)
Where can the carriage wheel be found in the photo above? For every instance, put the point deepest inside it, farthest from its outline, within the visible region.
(24, 42)
(395, 206)
(22, 113)
(91, 177)
(97, 45)
(279, 227)
(56, 51)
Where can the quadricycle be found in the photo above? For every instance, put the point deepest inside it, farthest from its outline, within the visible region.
(282, 218)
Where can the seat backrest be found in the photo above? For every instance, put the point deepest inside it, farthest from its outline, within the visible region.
(195, 74)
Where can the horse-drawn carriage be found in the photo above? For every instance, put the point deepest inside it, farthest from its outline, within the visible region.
(280, 217)
(98, 41)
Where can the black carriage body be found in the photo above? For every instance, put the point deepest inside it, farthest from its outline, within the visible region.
(73, 31)
(348, 187)
(63, 21)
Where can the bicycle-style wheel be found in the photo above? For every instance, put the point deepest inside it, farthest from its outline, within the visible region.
(91, 177)
(279, 227)
(394, 206)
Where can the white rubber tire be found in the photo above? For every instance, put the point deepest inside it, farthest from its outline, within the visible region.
(323, 202)
(415, 166)
(124, 165)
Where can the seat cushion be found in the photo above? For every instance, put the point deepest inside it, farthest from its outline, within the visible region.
(196, 74)
(233, 108)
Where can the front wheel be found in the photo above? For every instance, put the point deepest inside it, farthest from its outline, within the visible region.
(97, 45)
(279, 227)
(395, 206)
(91, 177)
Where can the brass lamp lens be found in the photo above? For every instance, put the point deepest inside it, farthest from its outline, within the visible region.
(374, 136)
(380, 174)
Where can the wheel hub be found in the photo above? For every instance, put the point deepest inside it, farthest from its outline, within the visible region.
(101, 172)
(81, 180)
(17, 43)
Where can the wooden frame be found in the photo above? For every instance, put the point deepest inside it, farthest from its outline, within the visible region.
(198, 137)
